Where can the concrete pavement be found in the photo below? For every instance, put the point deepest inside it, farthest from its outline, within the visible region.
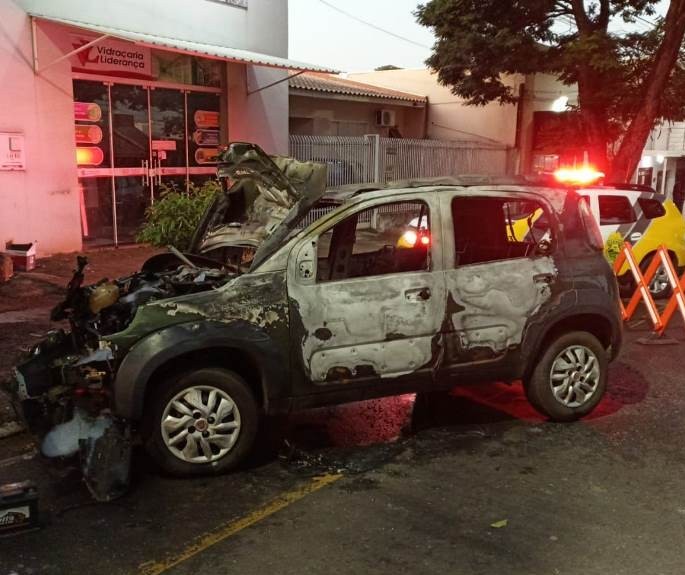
(422, 482)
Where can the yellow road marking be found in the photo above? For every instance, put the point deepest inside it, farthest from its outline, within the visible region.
(232, 527)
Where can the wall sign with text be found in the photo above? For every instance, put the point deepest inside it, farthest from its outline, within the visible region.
(12, 151)
(110, 57)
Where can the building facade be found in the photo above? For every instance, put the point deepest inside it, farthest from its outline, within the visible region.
(330, 105)
(101, 110)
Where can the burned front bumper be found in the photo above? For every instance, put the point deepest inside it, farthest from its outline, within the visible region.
(62, 395)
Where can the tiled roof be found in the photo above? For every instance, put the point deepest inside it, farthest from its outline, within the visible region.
(320, 82)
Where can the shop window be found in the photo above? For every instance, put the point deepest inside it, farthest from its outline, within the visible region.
(91, 124)
(184, 69)
(391, 238)
(615, 210)
(491, 229)
(203, 128)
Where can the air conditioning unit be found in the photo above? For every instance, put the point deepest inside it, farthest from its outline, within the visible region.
(385, 118)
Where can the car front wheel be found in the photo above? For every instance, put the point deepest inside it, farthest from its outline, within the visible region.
(203, 422)
(570, 377)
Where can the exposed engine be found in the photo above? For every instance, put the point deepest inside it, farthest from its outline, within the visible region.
(63, 386)
(109, 306)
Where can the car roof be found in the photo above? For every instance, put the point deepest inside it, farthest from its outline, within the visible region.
(631, 189)
(347, 191)
(352, 193)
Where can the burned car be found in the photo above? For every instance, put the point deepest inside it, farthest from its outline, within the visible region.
(292, 297)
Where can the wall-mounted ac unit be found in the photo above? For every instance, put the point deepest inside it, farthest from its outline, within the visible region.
(385, 118)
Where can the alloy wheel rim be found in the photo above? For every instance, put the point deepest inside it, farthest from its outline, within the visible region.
(659, 282)
(574, 376)
(200, 424)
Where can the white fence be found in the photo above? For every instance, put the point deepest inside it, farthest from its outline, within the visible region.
(374, 159)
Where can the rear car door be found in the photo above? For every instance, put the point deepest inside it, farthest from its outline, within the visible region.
(367, 294)
(500, 275)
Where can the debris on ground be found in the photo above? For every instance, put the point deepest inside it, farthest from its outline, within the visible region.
(10, 428)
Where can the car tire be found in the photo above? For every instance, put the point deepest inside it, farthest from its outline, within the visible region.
(203, 422)
(570, 377)
(660, 277)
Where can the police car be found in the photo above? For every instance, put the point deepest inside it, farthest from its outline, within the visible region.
(626, 213)
(645, 219)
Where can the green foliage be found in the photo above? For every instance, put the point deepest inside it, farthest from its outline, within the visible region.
(479, 41)
(613, 247)
(607, 48)
(173, 218)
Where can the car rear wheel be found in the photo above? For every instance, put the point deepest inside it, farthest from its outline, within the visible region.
(203, 422)
(570, 377)
(659, 286)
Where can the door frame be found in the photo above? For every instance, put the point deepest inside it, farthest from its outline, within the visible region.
(303, 382)
(151, 174)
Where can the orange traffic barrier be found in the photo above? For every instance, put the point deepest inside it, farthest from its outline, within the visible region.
(642, 294)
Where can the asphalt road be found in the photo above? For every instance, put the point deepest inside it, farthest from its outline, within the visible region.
(400, 485)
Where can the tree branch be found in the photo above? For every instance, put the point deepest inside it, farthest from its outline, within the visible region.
(582, 20)
(604, 14)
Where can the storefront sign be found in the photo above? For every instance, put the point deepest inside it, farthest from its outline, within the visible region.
(88, 134)
(87, 112)
(168, 145)
(206, 119)
(12, 151)
(111, 57)
(206, 137)
(89, 156)
(206, 155)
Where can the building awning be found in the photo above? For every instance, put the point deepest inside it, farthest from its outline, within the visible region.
(188, 47)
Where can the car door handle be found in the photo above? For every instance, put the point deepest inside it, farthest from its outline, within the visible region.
(418, 294)
(634, 237)
(543, 278)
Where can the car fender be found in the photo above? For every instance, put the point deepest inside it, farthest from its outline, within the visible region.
(155, 350)
(593, 302)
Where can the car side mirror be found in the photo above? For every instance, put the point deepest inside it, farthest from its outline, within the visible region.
(543, 248)
(305, 263)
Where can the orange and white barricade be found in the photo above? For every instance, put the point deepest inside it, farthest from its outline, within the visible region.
(661, 258)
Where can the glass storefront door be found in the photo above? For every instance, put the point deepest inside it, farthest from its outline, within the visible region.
(131, 139)
(94, 158)
(169, 159)
(134, 142)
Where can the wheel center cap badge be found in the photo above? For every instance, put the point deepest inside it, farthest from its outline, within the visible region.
(201, 425)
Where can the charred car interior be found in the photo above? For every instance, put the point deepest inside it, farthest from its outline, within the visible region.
(293, 296)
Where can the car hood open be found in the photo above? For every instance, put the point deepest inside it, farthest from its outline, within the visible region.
(263, 200)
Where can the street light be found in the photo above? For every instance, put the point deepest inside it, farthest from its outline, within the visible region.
(559, 105)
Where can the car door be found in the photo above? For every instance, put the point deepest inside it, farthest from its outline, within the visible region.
(367, 294)
(496, 281)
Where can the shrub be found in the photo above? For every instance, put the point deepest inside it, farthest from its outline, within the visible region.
(613, 246)
(174, 216)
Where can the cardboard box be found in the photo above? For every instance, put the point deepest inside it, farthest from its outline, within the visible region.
(23, 256)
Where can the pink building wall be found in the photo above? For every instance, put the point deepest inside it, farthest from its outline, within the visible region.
(40, 203)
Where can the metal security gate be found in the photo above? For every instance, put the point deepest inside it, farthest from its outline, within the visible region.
(374, 159)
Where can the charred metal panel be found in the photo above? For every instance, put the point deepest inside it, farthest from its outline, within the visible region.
(381, 326)
(372, 322)
(492, 303)
(250, 314)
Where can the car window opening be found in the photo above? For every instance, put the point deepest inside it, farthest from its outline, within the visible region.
(489, 229)
(391, 238)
